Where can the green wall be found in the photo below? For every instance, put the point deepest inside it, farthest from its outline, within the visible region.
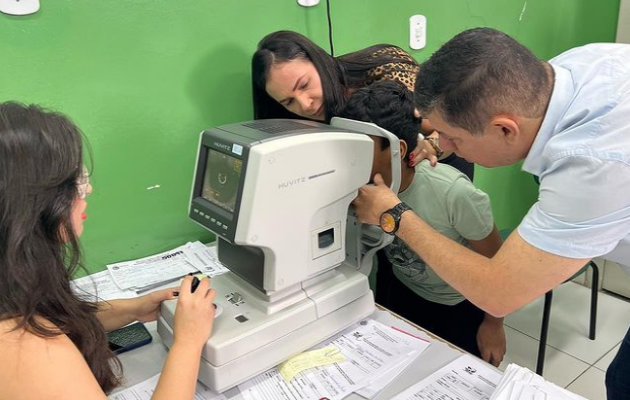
(142, 78)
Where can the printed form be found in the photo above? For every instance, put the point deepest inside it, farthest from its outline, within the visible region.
(380, 382)
(370, 349)
(128, 279)
(167, 266)
(466, 378)
(100, 286)
(144, 391)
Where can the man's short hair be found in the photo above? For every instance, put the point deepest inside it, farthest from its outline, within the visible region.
(478, 74)
(389, 105)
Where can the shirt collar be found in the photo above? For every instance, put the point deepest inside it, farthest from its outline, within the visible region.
(561, 97)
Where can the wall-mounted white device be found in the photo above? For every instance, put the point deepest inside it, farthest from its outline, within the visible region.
(19, 7)
(417, 32)
(308, 3)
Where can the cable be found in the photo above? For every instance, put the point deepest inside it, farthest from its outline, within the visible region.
(330, 32)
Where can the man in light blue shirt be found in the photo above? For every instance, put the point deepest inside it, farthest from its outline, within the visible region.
(494, 103)
(581, 155)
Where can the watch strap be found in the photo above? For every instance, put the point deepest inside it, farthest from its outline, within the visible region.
(396, 212)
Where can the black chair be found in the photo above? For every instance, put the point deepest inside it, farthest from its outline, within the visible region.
(544, 330)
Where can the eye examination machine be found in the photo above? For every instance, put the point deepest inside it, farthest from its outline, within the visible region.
(278, 193)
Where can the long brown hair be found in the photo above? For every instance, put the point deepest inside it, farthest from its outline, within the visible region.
(337, 74)
(41, 157)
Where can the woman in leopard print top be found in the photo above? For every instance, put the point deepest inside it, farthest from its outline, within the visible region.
(292, 77)
(402, 68)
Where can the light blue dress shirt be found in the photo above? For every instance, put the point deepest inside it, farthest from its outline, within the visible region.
(582, 157)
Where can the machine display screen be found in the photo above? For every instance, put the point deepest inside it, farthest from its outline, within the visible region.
(221, 179)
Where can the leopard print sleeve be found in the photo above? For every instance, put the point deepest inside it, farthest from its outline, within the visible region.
(402, 70)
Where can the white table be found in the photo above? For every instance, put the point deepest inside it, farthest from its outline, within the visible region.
(142, 363)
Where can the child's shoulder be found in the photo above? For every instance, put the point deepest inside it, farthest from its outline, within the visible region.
(442, 175)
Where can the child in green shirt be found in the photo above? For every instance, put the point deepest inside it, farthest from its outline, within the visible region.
(447, 200)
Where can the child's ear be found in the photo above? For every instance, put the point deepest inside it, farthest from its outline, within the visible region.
(403, 149)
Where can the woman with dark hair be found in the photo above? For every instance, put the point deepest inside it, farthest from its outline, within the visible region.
(52, 343)
(292, 77)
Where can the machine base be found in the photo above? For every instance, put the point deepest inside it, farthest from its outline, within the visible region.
(229, 374)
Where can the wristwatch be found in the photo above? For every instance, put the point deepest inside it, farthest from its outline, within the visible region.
(435, 143)
(390, 219)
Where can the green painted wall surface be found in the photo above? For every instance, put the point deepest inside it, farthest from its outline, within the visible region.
(142, 78)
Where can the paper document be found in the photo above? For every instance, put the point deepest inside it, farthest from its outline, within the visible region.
(168, 266)
(151, 270)
(205, 259)
(310, 359)
(98, 287)
(369, 347)
(520, 383)
(144, 391)
(466, 378)
(379, 383)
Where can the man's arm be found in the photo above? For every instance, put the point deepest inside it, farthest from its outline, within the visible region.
(491, 334)
(515, 276)
(488, 246)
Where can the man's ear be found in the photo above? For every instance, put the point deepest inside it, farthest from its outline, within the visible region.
(416, 113)
(507, 127)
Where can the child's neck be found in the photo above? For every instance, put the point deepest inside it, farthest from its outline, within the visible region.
(406, 179)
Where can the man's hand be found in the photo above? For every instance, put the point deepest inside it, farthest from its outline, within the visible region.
(491, 340)
(374, 200)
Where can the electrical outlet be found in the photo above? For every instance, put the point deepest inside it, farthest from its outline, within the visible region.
(417, 32)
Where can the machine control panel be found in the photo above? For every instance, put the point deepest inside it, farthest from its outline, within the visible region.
(235, 298)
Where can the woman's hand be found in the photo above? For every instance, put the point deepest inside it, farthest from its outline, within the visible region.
(423, 151)
(194, 315)
(428, 144)
(146, 308)
(114, 314)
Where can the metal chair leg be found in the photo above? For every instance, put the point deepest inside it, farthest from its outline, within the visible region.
(542, 346)
(594, 287)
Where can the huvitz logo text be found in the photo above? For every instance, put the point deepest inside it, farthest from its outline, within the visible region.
(292, 182)
(223, 146)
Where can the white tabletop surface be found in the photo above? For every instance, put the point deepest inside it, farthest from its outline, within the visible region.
(142, 363)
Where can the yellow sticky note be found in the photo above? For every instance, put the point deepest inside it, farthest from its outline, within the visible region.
(310, 359)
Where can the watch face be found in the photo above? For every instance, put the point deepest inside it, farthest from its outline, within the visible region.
(388, 224)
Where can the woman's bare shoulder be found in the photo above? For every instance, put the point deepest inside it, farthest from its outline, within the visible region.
(14, 337)
(40, 367)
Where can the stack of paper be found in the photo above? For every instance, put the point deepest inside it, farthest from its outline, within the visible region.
(382, 380)
(130, 278)
(466, 378)
(520, 383)
(369, 348)
(100, 287)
